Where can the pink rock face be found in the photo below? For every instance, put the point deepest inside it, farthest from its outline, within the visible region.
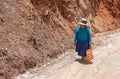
(41, 29)
(104, 13)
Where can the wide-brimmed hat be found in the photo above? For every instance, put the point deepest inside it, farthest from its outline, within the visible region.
(83, 21)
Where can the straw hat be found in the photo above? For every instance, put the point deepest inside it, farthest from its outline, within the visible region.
(83, 22)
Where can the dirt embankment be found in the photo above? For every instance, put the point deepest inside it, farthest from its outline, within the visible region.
(34, 31)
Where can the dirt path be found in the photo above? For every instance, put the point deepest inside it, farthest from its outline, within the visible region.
(106, 64)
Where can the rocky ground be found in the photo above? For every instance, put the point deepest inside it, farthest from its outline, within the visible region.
(105, 65)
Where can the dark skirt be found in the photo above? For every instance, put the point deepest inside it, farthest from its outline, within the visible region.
(81, 47)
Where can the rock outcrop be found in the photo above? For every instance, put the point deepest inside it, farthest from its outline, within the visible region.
(34, 31)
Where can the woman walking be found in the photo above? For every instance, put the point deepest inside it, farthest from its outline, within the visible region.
(82, 38)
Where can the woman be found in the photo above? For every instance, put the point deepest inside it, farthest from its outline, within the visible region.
(82, 38)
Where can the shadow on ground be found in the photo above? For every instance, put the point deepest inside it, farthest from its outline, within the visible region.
(83, 61)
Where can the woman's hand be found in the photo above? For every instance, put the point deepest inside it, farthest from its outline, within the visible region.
(90, 46)
(76, 42)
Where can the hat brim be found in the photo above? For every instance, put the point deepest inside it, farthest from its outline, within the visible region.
(81, 23)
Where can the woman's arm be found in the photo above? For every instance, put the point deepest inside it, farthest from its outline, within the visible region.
(75, 36)
(89, 36)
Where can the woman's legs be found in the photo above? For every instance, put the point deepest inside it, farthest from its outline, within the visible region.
(83, 58)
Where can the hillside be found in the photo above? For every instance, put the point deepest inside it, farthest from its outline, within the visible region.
(105, 64)
(33, 32)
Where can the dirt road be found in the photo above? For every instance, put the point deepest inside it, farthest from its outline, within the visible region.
(106, 64)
